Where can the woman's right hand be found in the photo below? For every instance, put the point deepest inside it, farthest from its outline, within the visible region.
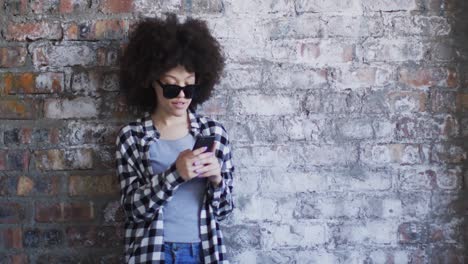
(190, 160)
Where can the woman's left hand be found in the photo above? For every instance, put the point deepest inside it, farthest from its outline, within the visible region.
(209, 167)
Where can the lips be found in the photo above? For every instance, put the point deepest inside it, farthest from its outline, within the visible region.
(178, 104)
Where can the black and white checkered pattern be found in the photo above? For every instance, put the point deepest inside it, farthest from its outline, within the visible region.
(143, 193)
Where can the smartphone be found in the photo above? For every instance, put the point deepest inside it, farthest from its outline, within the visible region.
(204, 141)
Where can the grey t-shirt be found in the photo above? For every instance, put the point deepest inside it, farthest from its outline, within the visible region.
(181, 214)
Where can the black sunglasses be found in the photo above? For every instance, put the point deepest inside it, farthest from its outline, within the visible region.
(172, 91)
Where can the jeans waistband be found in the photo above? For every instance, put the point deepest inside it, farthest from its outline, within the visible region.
(177, 245)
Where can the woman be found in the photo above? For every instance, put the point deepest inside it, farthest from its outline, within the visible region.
(173, 196)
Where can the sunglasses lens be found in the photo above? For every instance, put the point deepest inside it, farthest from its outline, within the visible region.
(172, 91)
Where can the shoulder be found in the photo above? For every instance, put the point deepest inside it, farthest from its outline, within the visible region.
(129, 132)
(215, 126)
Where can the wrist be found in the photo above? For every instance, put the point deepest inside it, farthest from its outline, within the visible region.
(216, 181)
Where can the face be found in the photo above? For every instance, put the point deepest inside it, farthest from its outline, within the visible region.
(175, 106)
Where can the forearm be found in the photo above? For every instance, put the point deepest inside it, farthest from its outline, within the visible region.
(141, 201)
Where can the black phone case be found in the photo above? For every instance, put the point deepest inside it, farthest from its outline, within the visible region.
(204, 141)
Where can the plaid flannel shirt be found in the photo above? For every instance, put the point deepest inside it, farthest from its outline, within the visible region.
(143, 193)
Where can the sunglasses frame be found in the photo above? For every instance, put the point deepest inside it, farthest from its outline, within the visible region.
(189, 90)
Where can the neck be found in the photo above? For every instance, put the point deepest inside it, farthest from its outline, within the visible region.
(163, 120)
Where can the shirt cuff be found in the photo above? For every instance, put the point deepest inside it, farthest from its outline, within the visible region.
(215, 192)
(174, 178)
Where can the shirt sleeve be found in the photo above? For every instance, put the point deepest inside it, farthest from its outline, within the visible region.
(141, 198)
(220, 197)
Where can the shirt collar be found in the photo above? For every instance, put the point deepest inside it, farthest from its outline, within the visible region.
(150, 128)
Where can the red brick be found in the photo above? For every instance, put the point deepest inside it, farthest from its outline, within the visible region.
(448, 153)
(71, 31)
(19, 259)
(443, 101)
(94, 236)
(412, 233)
(116, 6)
(12, 238)
(107, 56)
(16, 160)
(47, 185)
(93, 185)
(31, 83)
(8, 185)
(48, 212)
(11, 213)
(35, 237)
(78, 211)
(70, 6)
(96, 30)
(18, 7)
(424, 128)
(66, 6)
(33, 31)
(462, 102)
(59, 212)
(25, 185)
(28, 135)
(44, 6)
(448, 253)
(428, 77)
(19, 109)
(2, 160)
(59, 159)
(12, 57)
(417, 99)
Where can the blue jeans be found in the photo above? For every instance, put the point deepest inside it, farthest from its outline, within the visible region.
(182, 253)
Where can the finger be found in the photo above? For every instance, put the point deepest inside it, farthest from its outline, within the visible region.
(205, 155)
(209, 173)
(202, 158)
(206, 168)
(198, 151)
(207, 161)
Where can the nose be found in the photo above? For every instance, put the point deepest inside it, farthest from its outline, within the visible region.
(181, 94)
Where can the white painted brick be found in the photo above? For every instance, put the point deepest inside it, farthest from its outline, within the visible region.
(347, 25)
(152, 8)
(324, 6)
(269, 105)
(304, 26)
(391, 50)
(256, 7)
(394, 153)
(363, 76)
(318, 53)
(292, 182)
(369, 233)
(298, 77)
(241, 77)
(74, 108)
(355, 129)
(326, 154)
(47, 54)
(389, 5)
(384, 130)
(296, 234)
(416, 205)
(264, 156)
(360, 180)
(255, 208)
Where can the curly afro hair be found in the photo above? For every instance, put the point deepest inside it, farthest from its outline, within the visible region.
(155, 46)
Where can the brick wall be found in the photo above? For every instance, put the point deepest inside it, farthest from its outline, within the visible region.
(348, 120)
